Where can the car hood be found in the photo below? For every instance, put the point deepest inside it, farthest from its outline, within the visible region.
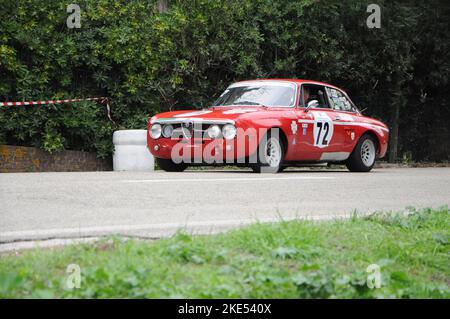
(216, 113)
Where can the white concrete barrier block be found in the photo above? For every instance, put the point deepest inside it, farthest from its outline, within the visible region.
(131, 152)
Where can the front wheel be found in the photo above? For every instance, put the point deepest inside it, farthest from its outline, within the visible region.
(362, 159)
(170, 166)
(270, 154)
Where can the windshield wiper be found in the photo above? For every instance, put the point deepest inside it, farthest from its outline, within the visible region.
(248, 103)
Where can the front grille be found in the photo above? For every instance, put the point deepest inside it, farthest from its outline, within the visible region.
(189, 130)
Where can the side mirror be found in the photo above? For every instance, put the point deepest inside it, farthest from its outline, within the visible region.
(312, 103)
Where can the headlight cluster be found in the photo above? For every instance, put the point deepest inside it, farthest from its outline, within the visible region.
(213, 131)
(167, 130)
(155, 131)
(228, 131)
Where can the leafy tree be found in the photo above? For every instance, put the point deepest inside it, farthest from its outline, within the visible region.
(149, 60)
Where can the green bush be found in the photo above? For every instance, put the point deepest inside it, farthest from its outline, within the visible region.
(148, 62)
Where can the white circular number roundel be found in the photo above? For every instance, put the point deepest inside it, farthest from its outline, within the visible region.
(323, 129)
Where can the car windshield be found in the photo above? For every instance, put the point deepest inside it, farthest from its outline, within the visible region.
(274, 95)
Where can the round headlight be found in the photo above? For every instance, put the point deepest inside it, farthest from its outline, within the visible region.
(229, 131)
(213, 131)
(167, 130)
(155, 131)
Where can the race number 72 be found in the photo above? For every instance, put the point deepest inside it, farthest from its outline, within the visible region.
(322, 135)
(323, 131)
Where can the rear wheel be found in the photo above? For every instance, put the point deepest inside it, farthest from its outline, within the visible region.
(363, 156)
(170, 166)
(270, 154)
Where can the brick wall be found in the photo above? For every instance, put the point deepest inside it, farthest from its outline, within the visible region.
(31, 159)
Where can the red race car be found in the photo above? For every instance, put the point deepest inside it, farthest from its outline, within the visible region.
(268, 125)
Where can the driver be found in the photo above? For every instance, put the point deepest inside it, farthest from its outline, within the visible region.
(305, 96)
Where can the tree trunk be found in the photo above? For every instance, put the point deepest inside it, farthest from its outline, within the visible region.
(398, 102)
(393, 144)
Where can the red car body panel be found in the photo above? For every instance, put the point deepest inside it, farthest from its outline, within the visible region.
(347, 128)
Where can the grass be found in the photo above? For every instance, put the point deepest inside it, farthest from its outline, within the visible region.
(295, 259)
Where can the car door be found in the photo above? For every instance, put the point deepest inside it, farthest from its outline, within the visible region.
(346, 117)
(317, 135)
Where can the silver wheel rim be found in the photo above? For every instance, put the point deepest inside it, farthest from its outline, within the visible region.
(273, 152)
(368, 152)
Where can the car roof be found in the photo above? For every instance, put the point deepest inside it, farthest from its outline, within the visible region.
(298, 81)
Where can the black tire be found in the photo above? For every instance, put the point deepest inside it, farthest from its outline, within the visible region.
(262, 165)
(169, 166)
(360, 161)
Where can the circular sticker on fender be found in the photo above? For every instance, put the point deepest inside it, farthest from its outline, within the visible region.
(323, 129)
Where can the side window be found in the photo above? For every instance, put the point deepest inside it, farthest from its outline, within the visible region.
(339, 101)
(312, 92)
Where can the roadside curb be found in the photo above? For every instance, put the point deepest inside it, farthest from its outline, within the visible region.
(68, 236)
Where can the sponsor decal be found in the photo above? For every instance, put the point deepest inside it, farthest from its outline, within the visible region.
(294, 131)
(305, 127)
(294, 127)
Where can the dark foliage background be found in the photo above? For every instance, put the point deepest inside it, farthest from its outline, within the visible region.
(147, 62)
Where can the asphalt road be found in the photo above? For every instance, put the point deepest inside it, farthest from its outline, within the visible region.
(74, 205)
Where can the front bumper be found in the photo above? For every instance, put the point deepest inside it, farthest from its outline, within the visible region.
(200, 150)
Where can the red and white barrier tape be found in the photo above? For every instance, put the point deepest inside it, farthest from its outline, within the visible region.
(102, 100)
